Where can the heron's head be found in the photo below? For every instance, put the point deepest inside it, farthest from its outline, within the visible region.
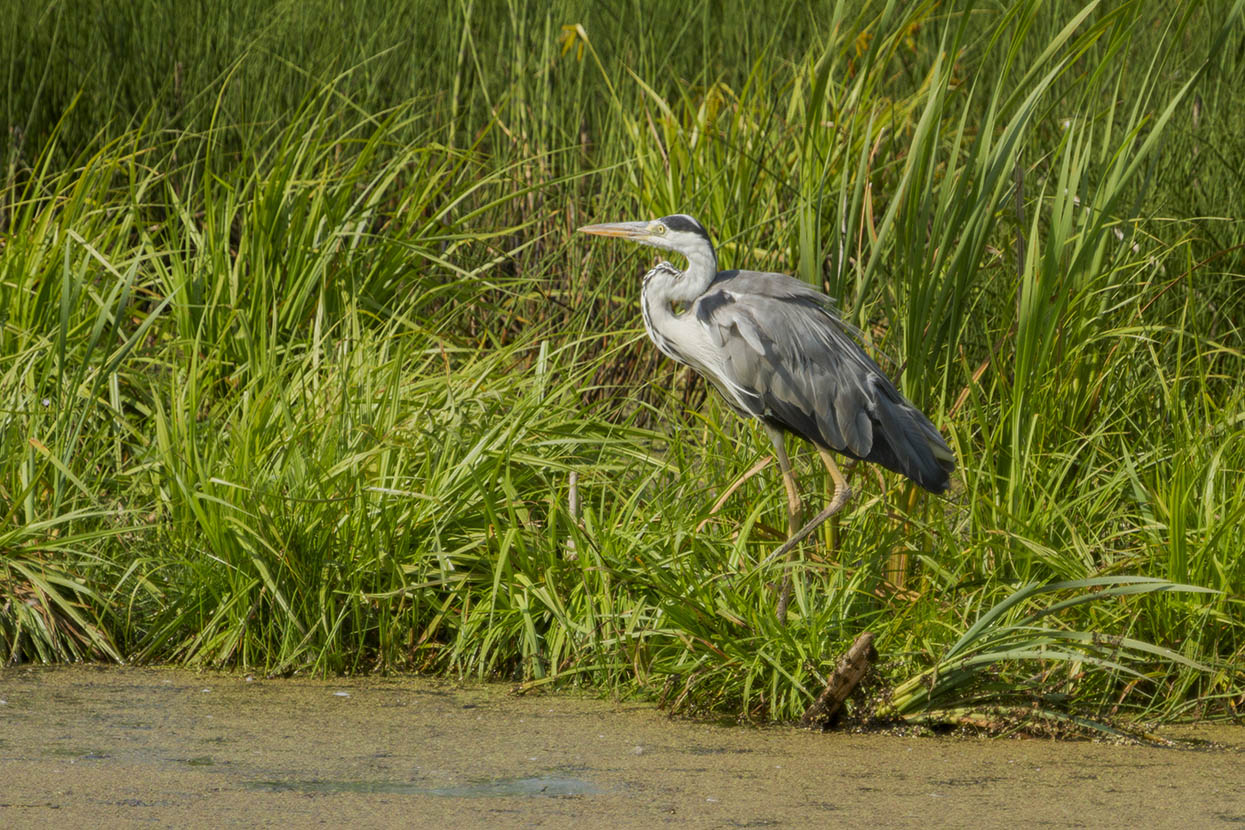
(679, 233)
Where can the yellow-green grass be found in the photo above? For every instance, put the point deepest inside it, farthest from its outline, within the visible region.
(299, 353)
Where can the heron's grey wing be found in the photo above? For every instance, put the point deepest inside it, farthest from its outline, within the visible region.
(782, 342)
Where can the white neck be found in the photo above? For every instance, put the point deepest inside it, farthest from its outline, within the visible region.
(702, 267)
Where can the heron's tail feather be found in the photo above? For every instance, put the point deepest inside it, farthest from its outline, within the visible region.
(905, 441)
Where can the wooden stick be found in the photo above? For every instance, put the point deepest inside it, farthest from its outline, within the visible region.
(847, 675)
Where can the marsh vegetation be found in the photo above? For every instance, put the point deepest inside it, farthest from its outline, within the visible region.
(299, 355)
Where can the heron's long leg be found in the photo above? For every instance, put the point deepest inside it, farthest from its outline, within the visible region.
(842, 492)
(793, 514)
(788, 480)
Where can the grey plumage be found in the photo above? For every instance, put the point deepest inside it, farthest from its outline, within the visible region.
(777, 351)
(801, 371)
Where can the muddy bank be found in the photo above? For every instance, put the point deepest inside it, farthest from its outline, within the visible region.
(126, 747)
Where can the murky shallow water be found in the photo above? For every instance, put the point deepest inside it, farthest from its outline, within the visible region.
(126, 747)
(546, 785)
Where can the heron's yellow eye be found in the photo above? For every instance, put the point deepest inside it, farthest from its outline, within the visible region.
(659, 229)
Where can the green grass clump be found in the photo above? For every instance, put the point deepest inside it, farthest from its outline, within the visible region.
(302, 367)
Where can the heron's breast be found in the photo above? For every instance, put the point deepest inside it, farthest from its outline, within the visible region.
(683, 338)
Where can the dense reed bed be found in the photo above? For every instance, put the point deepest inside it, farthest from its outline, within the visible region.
(301, 364)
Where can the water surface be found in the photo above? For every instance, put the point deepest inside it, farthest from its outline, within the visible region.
(123, 747)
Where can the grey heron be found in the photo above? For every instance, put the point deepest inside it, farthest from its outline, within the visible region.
(776, 350)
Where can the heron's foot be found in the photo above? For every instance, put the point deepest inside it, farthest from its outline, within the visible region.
(836, 504)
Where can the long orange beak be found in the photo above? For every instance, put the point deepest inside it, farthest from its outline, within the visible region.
(624, 230)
